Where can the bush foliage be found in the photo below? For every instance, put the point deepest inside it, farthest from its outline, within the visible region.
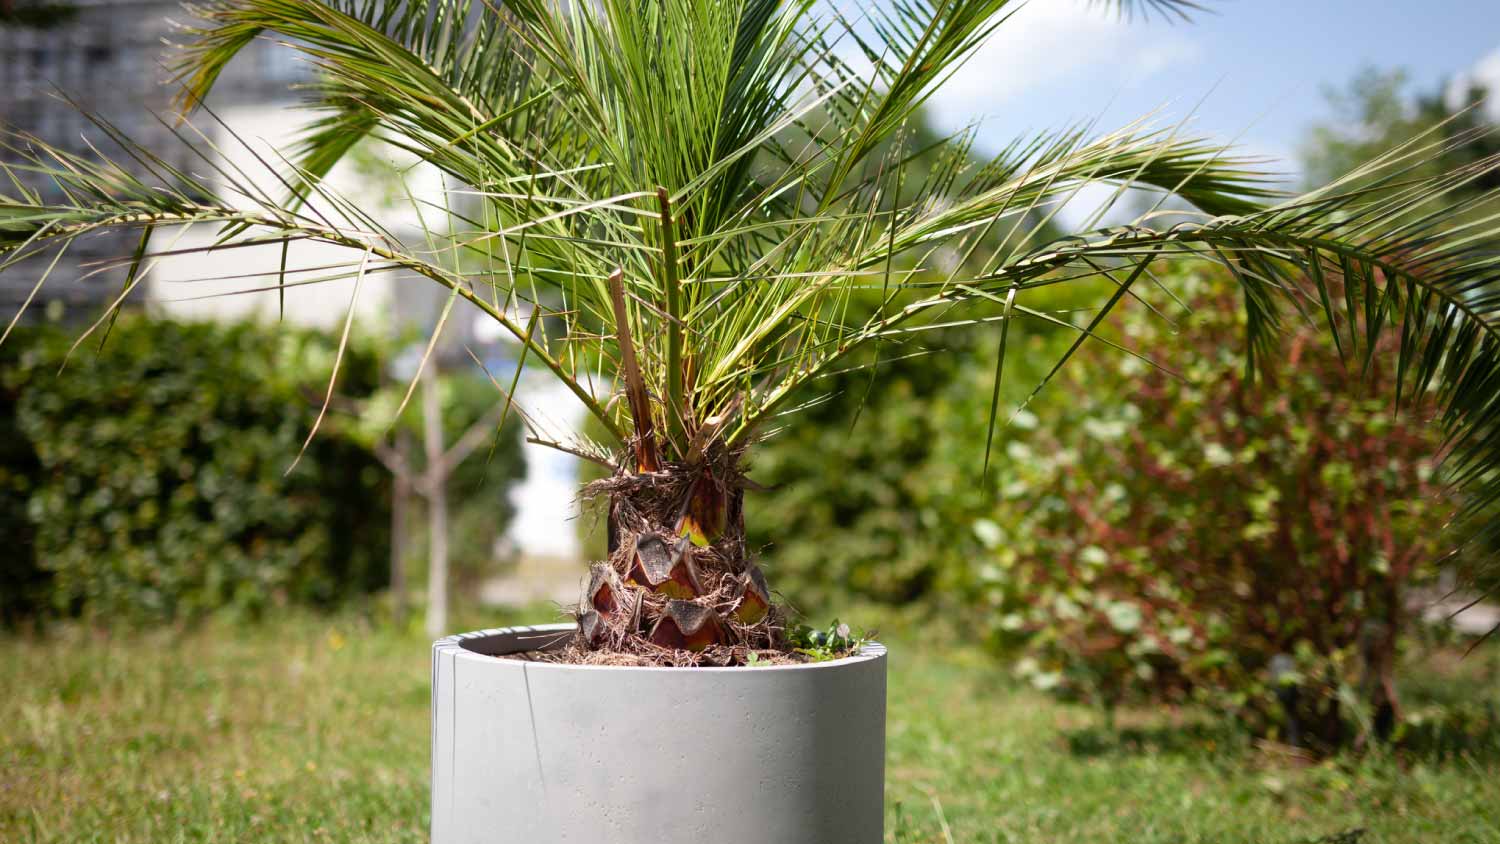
(867, 489)
(872, 491)
(1205, 537)
(146, 481)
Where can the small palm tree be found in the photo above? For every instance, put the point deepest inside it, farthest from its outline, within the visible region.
(708, 205)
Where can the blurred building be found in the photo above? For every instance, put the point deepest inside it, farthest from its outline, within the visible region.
(107, 57)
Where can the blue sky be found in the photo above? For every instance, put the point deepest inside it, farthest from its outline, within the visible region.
(1265, 64)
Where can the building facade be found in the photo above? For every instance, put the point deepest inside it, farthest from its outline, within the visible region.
(107, 58)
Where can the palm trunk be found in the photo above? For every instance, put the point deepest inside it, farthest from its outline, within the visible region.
(678, 578)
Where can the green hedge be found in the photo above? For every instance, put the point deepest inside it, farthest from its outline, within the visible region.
(146, 482)
(873, 491)
(866, 490)
(23, 587)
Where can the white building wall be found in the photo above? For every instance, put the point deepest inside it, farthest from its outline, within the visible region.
(214, 284)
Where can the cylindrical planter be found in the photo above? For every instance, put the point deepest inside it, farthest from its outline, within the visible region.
(535, 752)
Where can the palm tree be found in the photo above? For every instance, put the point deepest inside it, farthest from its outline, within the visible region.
(705, 207)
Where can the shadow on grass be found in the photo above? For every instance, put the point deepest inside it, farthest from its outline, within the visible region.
(1348, 836)
(1469, 731)
(1435, 735)
(1194, 739)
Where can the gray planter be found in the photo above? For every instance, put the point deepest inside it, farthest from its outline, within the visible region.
(532, 752)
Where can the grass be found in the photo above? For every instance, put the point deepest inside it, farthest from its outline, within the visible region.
(315, 729)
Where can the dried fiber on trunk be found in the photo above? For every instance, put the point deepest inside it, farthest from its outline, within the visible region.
(678, 587)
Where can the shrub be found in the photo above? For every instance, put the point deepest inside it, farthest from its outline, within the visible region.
(23, 586)
(859, 506)
(152, 473)
(1214, 539)
(872, 491)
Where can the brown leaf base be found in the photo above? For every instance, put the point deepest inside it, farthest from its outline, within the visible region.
(678, 587)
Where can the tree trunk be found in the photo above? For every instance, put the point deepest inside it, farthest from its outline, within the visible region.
(401, 493)
(678, 578)
(437, 510)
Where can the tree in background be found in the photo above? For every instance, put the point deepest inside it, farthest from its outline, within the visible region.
(1377, 112)
(470, 453)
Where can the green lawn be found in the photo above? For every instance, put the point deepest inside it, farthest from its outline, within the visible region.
(316, 729)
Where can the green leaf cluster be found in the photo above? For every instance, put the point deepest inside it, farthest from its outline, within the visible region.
(147, 483)
(1168, 536)
(824, 644)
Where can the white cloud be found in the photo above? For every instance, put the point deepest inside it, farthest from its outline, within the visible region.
(1485, 72)
(1051, 42)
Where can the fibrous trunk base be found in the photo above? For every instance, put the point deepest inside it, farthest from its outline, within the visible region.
(678, 587)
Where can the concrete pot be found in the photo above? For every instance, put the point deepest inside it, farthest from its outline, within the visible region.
(531, 752)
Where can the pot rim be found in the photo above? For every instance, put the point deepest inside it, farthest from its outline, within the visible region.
(459, 645)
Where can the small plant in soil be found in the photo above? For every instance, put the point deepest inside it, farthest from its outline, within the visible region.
(691, 212)
(822, 645)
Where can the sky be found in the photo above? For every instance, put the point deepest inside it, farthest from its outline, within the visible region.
(1252, 70)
